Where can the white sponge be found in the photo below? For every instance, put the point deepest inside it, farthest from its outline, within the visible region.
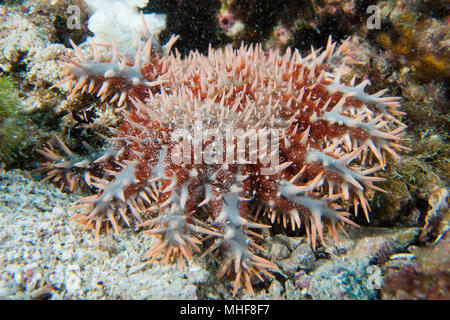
(121, 20)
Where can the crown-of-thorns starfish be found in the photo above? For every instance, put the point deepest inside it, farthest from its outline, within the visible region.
(328, 137)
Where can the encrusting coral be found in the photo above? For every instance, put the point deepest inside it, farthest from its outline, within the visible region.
(209, 144)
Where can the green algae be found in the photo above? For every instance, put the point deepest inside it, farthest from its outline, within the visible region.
(14, 130)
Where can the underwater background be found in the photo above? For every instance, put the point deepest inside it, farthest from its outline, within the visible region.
(402, 253)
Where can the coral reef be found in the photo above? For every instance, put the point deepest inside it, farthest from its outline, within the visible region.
(30, 58)
(409, 54)
(32, 42)
(133, 107)
(416, 40)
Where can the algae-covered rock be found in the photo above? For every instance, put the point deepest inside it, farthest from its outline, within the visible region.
(426, 277)
(15, 140)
